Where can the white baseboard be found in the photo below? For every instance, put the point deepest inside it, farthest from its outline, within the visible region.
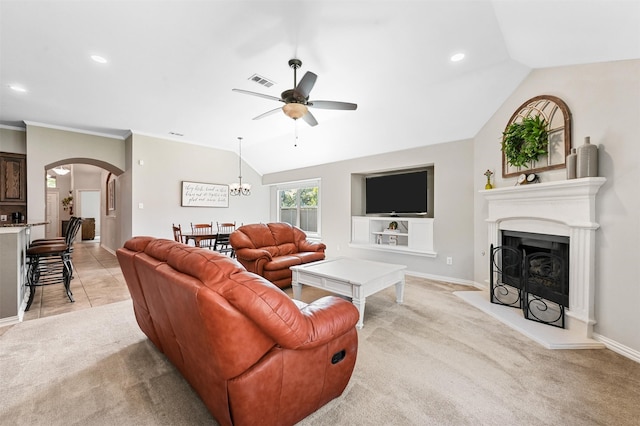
(9, 321)
(441, 278)
(108, 249)
(618, 348)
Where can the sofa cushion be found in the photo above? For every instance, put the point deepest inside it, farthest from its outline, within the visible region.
(286, 248)
(279, 277)
(310, 256)
(282, 262)
(282, 232)
(258, 235)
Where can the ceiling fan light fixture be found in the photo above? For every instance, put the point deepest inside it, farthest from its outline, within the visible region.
(295, 110)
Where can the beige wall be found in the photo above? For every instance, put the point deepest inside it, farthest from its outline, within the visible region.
(157, 185)
(50, 146)
(604, 100)
(13, 140)
(453, 205)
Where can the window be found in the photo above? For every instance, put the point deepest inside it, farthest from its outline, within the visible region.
(299, 205)
(52, 181)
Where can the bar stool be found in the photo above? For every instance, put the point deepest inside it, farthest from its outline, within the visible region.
(49, 262)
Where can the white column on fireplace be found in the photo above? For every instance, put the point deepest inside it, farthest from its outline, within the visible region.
(555, 208)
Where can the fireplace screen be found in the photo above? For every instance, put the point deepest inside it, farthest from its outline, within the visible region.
(531, 272)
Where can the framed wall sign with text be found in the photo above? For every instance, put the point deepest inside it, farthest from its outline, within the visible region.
(198, 194)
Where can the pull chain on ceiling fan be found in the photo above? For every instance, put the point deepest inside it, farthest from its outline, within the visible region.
(296, 101)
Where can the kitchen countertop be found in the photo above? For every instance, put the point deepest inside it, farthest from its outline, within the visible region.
(22, 225)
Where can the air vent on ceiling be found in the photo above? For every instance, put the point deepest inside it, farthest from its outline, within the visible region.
(263, 81)
(176, 134)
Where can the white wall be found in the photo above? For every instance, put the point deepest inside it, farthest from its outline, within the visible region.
(453, 206)
(604, 100)
(157, 185)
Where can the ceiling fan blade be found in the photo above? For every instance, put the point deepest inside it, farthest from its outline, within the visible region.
(246, 92)
(303, 88)
(310, 119)
(332, 105)
(264, 114)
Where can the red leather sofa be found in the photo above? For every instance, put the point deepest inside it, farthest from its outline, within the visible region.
(270, 249)
(254, 355)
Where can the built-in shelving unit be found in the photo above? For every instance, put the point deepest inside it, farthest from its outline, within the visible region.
(412, 236)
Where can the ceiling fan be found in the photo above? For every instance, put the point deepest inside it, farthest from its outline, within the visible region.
(296, 101)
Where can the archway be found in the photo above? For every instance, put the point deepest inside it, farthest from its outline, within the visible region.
(64, 194)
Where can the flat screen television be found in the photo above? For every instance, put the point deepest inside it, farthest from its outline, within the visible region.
(400, 193)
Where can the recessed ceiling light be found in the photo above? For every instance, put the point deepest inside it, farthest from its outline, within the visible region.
(17, 88)
(99, 59)
(457, 57)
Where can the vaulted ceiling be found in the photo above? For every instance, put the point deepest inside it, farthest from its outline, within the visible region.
(171, 66)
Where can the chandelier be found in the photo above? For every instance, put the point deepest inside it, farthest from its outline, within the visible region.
(240, 188)
(61, 170)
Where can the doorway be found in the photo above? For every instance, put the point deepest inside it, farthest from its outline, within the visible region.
(89, 208)
(52, 228)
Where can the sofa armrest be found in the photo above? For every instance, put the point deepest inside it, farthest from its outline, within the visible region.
(253, 254)
(282, 320)
(306, 245)
(328, 317)
(253, 259)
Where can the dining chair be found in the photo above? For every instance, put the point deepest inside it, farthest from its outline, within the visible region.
(177, 233)
(222, 244)
(203, 234)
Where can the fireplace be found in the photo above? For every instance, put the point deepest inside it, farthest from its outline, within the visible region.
(530, 271)
(559, 211)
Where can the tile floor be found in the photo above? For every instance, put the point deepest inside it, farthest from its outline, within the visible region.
(97, 281)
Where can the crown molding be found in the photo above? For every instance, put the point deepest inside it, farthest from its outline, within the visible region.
(71, 129)
(19, 129)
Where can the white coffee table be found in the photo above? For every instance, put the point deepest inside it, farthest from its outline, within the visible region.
(353, 278)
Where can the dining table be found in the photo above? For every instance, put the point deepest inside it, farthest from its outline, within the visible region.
(198, 237)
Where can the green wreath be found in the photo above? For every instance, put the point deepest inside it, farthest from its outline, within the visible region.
(524, 142)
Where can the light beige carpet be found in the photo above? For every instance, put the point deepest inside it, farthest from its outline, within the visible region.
(434, 360)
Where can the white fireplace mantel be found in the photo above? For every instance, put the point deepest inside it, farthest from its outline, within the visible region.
(565, 208)
(570, 202)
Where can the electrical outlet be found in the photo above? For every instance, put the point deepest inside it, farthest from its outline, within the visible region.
(449, 260)
(3, 218)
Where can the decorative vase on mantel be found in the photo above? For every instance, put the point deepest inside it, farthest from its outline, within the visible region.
(587, 160)
(488, 174)
(571, 164)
